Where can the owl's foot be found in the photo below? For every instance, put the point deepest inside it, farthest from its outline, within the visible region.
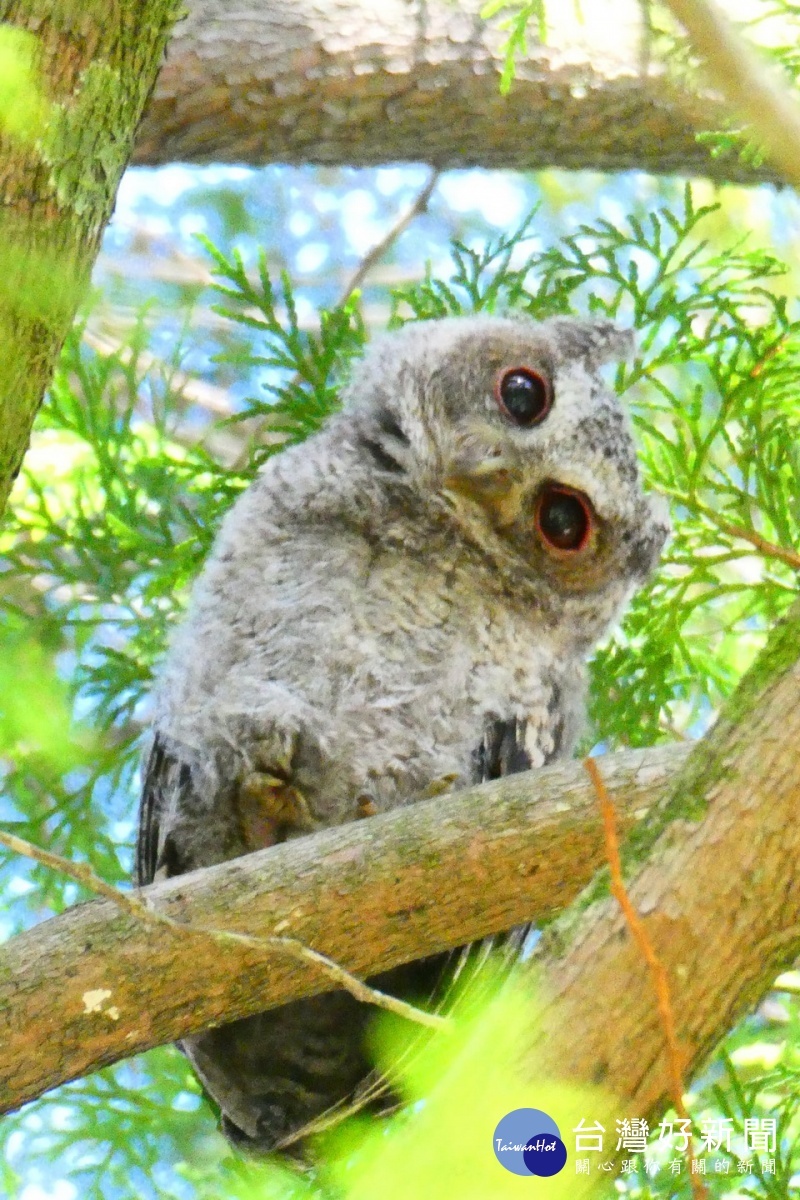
(365, 806)
(439, 787)
(271, 809)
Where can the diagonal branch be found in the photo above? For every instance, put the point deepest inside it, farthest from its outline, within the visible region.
(717, 890)
(369, 895)
(746, 80)
(657, 972)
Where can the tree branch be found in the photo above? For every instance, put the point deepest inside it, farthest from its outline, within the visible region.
(768, 549)
(752, 89)
(373, 256)
(97, 984)
(658, 973)
(131, 902)
(351, 81)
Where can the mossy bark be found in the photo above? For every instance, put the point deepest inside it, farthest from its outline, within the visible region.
(87, 71)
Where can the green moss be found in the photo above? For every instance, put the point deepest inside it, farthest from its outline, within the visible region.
(88, 137)
(87, 144)
(23, 106)
(38, 284)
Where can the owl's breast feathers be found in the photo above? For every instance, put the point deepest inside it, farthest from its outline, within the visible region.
(388, 663)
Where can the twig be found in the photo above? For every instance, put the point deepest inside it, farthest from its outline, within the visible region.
(790, 557)
(221, 442)
(131, 264)
(334, 972)
(377, 252)
(765, 547)
(214, 399)
(657, 969)
(131, 903)
(746, 82)
(82, 873)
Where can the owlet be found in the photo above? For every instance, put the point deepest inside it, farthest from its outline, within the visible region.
(409, 596)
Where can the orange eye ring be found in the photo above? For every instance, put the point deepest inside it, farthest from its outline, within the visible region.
(524, 396)
(563, 518)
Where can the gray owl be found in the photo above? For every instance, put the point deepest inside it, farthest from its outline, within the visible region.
(408, 597)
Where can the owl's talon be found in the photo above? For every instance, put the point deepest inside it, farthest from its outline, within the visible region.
(260, 781)
(270, 810)
(274, 756)
(365, 806)
(439, 787)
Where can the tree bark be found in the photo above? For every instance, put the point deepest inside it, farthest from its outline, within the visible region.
(97, 984)
(755, 91)
(97, 66)
(361, 83)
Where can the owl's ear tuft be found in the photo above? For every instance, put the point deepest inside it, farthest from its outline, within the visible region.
(594, 341)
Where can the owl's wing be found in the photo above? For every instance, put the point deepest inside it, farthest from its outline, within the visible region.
(501, 751)
(167, 786)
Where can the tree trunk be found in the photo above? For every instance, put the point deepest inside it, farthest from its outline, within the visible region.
(97, 65)
(356, 82)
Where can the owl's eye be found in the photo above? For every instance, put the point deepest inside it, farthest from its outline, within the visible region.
(523, 395)
(563, 518)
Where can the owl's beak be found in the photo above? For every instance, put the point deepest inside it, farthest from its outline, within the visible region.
(490, 479)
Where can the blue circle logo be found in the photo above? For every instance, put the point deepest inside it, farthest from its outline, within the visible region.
(528, 1142)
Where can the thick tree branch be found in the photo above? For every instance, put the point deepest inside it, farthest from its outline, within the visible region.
(718, 891)
(132, 902)
(356, 82)
(97, 984)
